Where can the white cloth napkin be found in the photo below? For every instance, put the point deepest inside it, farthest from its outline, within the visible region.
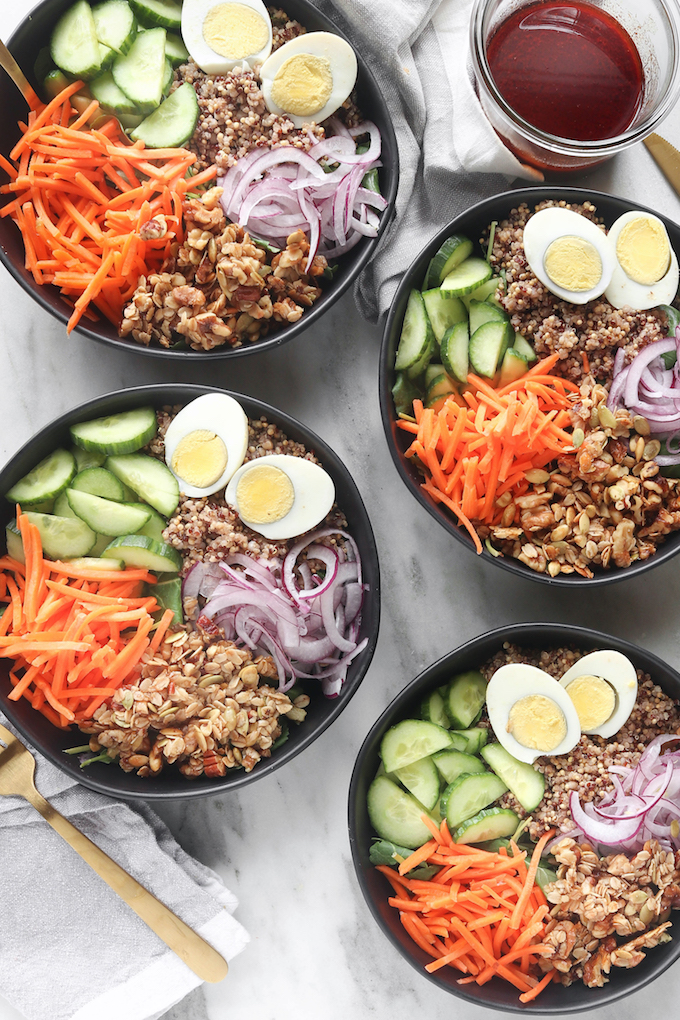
(70, 948)
(450, 156)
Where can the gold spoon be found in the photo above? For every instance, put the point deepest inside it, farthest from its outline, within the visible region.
(17, 768)
(10, 65)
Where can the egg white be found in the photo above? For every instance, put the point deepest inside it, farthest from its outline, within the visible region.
(547, 226)
(194, 13)
(343, 63)
(218, 413)
(518, 680)
(314, 495)
(622, 292)
(617, 670)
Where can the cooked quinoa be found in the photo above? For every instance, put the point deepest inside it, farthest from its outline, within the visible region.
(586, 768)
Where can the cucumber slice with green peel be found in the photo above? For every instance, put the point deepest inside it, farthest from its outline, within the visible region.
(432, 372)
(513, 367)
(168, 595)
(522, 779)
(47, 507)
(441, 386)
(156, 524)
(488, 345)
(141, 551)
(74, 45)
(396, 815)
(411, 740)
(110, 97)
(140, 73)
(417, 337)
(485, 292)
(404, 393)
(166, 13)
(102, 543)
(97, 563)
(464, 698)
(469, 794)
(104, 516)
(54, 83)
(15, 545)
(523, 347)
(106, 57)
(62, 507)
(432, 710)
(466, 277)
(442, 311)
(126, 432)
(416, 370)
(99, 482)
(45, 481)
(422, 780)
(175, 50)
(473, 739)
(173, 123)
(493, 823)
(454, 351)
(63, 538)
(458, 742)
(484, 311)
(452, 764)
(87, 458)
(149, 478)
(453, 251)
(115, 24)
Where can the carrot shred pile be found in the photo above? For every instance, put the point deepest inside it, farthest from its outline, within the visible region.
(481, 444)
(82, 195)
(62, 626)
(482, 913)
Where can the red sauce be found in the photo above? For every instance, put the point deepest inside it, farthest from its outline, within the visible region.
(567, 68)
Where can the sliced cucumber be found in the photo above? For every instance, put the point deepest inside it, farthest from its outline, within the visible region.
(432, 373)
(468, 794)
(104, 516)
(514, 366)
(149, 478)
(115, 24)
(99, 482)
(442, 311)
(403, 394)
(485, 292)
(156, 524)
(453, 764)
(109, 96)
(416, 370)
(117, 433)
(523, 347)
(454, 351)
(432, 709)
(464, 698)
(168, 595)
(141, 72)
(141, 551)
(175, 50)
(87, 458)
(422, 780)
(63, 537)
(166, 13)
(453, 251)
(523, 780)
(473, 739)
(45, 481)
(97, 563)
(102, 543)
(417, 337)
(106, 57)
(411, 740)
(62, 507)
(15, 546)
(488, 345)
(493, 823)
(396, 815)
(442, 386)
(54, 83)
(484, 311)
(74, 44)
(173, 123)
(466, 277)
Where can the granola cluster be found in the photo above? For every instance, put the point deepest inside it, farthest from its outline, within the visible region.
(600, 900)
(219, 286)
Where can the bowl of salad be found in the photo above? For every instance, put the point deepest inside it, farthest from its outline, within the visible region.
(528, 384)
(176, 194)
(180, 650)
(513, 819)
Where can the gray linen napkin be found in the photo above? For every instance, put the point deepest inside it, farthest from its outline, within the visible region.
(450, 157)
(70, 948)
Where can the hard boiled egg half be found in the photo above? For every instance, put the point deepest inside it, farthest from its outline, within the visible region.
(602, 687)
(309, 77)
(569, 254)
(221, 34)
(280, 496)
(531, 713)
(646, 268)
(205, 443)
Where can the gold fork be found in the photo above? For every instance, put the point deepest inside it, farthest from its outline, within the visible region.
(17, 768)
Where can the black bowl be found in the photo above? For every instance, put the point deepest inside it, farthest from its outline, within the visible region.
(171, 784)
(32, 35)
(496, 994)
(472, 223)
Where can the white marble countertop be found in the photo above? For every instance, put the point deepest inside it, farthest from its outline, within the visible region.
(282, 844)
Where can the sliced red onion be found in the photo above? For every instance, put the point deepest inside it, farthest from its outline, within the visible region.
(608, 833)
(192, 582)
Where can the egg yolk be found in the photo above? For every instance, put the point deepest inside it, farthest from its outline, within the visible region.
(235, 31)
(303, 84)
(594, 700)
(264, 494)
(643, 250)
(573, 263)
(537, 722)
(200, 457)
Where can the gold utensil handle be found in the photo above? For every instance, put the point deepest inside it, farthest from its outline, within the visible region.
(198, 954)
(18, 77)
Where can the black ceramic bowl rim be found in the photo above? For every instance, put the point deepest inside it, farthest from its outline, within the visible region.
(498, 207)
(496, 994)
(170, 784)
(350, 265)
